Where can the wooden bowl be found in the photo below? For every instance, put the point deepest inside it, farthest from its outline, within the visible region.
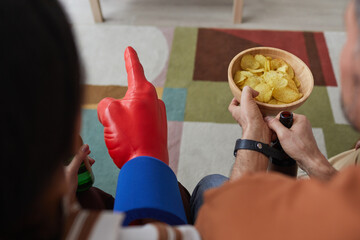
(302, 72)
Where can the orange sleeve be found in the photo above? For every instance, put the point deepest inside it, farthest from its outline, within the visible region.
(273, 206)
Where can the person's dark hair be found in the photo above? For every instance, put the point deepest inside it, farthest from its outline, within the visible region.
(40, 98)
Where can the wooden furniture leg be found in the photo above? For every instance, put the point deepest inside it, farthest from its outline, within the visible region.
(96, 10)
(237, 10)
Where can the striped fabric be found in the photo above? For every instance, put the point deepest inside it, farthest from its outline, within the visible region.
(106, 225)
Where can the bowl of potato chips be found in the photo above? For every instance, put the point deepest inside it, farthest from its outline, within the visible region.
(284, 81)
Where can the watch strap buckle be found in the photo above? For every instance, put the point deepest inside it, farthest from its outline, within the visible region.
(263, 148)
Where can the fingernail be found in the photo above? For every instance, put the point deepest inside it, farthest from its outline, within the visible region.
(85, 148)
(267, 118)
(91, 161)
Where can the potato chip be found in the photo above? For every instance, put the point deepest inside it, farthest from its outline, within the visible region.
(283, 68)
(277, 63)
(286, 95)
(252, 82)
(247, 74)
(265, 92)
(261, 59)
(279, 83)
(274, 79)
(290, 72)
(241, 76)
(260, 70)
(267, 65)
(248, 62)
(275, 102)
(292, 85)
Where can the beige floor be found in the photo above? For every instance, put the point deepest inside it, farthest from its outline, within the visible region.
(318, 15)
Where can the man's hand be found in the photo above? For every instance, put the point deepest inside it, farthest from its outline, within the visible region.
(248, 115)
(357, 145)
(71, 171)
(299, 143)
(135, 125)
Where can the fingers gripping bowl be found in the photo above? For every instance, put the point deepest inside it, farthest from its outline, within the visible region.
(301, 70)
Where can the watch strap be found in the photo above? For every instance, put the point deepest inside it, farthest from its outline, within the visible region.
(258, 147)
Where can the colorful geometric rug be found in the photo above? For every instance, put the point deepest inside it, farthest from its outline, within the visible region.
(188, 66)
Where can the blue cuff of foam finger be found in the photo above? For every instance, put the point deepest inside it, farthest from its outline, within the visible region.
(148, 188)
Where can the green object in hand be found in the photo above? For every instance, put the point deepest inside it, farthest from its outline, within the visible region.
(85, 178)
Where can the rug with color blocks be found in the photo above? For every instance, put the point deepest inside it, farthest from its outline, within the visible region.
(188, 67)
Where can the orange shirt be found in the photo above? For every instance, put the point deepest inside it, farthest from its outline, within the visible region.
(272, 206)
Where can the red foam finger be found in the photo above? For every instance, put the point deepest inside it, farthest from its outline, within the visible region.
(163, 110)
(102, 106)
(134, 70)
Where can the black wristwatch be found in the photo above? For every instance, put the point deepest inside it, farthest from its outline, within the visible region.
(258, 147)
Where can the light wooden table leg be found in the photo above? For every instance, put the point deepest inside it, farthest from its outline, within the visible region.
(237, 10)
(96, 10)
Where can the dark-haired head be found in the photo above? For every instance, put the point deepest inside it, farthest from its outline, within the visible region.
(40, 100)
